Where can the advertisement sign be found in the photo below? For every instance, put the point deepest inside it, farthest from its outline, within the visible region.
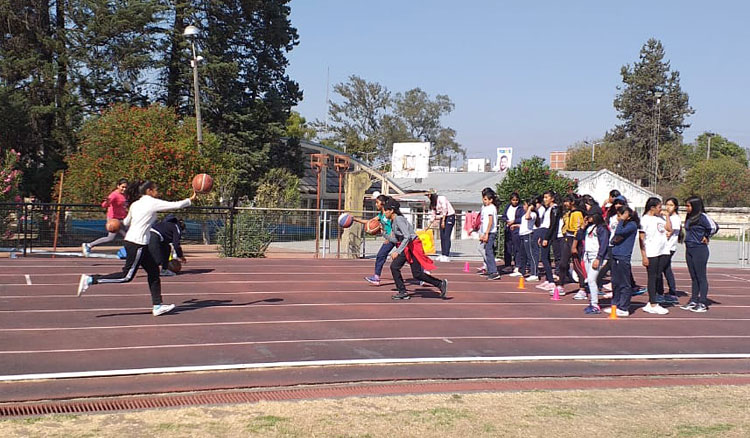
(410, 160)
(504, 159)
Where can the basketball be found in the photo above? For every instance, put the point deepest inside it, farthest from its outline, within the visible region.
(373, 227)
(113, 225)
(203, 183)
(345, 220)
(175, 266)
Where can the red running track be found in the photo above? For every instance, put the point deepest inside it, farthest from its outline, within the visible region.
(270, 311)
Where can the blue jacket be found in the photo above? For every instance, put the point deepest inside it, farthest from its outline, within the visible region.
(169, 232)
(695, 233)
(516, 220)
(602, 235)
(624, 240)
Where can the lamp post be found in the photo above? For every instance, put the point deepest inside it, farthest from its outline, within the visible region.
(708, 151)
(593, 148)
(191, 32)
(658, 95)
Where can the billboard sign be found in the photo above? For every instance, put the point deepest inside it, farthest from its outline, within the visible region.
(504, 159)
(410, 160)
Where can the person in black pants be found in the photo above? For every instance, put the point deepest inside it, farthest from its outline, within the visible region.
(622, 250)
(408, 250)
(444, 214)
(168, 231)
(512, 249)
(699, 228)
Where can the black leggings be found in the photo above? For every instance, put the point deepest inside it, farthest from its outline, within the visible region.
(566, 259)
(416, 271)
(137, 255)
(697, 259)
(655, 270)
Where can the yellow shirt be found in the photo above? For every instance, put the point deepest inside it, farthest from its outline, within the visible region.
(572, 221)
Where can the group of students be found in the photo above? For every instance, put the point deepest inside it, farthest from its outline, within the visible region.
(146, 241)
(588, 240)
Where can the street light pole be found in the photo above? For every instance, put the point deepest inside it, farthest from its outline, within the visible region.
(708, 151)
(658, 95)
(191, 32)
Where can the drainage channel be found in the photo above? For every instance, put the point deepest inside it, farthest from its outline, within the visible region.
(130, 403)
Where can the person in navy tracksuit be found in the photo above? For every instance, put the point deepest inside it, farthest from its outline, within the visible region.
(512, 249)
(163, 233)
(698, 230)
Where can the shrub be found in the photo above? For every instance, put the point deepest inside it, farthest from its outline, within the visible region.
(722, 182)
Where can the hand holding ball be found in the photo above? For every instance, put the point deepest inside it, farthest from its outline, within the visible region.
(113, 225)
(345, 220)
(373, 227)
(203, 183)
(175, 266)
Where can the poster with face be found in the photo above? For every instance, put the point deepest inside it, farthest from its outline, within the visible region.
(504, 159)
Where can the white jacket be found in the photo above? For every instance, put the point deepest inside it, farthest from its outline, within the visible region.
(142, 215)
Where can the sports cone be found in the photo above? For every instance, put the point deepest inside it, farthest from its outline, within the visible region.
(555, 294)
(467, 268)
(521, 283)
(613, 315)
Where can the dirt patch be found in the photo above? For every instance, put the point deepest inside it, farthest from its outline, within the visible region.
(708, 411)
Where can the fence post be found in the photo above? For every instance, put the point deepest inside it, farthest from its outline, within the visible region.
(231, 231)
(325, 231)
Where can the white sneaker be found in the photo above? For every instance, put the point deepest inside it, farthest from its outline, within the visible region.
(607, 310)
(581, 295)
(655, 309)
(167, 273)
(85, 249)
(444, 258)
(515, 273)
(161, 309)
(607, 286)
(84, 283)
(560, 291)
(532, 278)
(573, 275)
(543, 286)
(621, 312)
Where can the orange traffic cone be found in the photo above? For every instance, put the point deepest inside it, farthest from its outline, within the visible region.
(467, 268)
(555, 294)
(613, 314)
(521, 283)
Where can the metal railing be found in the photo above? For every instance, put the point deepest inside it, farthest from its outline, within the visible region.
(254, 232)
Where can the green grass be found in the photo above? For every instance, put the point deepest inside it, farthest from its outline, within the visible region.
(691, 430)
(264, 423)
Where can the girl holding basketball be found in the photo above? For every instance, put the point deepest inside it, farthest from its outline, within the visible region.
(387, 246)
(408, 249)
(142, 215)
(117, 208)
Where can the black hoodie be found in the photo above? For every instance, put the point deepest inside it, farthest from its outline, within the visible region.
(169, 232)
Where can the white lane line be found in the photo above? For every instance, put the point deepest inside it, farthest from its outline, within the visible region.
(28, 279)
(319, 363)
(351, 320)
(344, 340)
(744, 280)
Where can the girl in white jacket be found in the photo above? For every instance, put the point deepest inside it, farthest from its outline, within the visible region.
(141, 216)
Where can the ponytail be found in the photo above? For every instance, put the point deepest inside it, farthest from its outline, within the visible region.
(138, 188)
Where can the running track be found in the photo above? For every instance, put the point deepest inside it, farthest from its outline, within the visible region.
(288, 322)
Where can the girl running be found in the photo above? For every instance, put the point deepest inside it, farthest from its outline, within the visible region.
(654, 252)
(142, 215)
(488, 232)
(529, 224)
(117, 208)
(698, 231)
(387, 246)
(596, 241)
(443, 212)
(674, 238)
(409, 249)
(622, 251)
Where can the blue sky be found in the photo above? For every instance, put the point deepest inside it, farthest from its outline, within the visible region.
(536, 76)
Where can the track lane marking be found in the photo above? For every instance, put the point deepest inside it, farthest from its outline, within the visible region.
(28, 279)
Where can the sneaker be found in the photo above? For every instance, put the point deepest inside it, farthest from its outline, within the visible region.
(608, 310)
(592, 310)
(700, 308)
(482, 272)
(655, 309)
(623, 313)
(373, 280)
(401, 296)
(543, 286)
(85, 249)
(446, 259)
(573, 275)
(671, 299)
(560, 291)
(550, 287)
(161, 309)
(556, 277)
(689, 306)
(443, 288)
(608, 295)
(167, 273)
(533, 278)
(581, 295)
(483, 268)
(639, 291)
(84, 283)
(515, 273)
(607, 286)
(494, 276)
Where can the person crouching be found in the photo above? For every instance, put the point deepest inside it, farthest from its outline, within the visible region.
(408, 249)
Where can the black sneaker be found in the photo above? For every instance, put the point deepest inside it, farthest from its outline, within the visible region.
(700, 308)
(689, 306)
(495, 276)
(401, 296)
(443, 288)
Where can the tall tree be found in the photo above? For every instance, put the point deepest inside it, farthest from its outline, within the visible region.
(639, 106)
(721, 147)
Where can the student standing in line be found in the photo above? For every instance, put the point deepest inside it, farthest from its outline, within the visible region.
(699, 229)
(444, 214)
(117, 208)
(408, 249)
(572, 221)
(529, 223)
(141, 216)
(387, 246)
(674, 238)
(488, 232)
(512, 219)
(622, 251)
(596, 241)
(547, 231)
(653, 242)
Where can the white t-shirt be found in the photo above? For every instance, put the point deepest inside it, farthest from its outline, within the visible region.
(544, 214)
(676, 225)
(527, 225)
(488, 211)
(512, 212)
(655, 239)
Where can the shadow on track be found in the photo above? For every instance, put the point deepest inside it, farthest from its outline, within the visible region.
(194, 304)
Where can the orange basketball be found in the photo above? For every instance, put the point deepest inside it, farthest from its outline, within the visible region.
(373, 227)
(175, 266)
(203, 183)
(113, 225)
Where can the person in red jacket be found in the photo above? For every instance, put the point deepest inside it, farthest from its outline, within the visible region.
(117, 208)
